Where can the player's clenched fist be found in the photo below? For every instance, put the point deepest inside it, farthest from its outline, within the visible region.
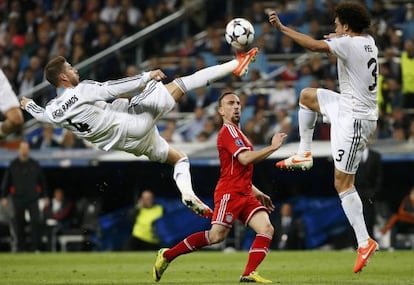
(23, 102)
(274, 19)
(157, 75)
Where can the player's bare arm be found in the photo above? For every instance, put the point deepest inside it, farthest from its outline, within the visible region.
(301, 39)
(263, 198)
(254, 156)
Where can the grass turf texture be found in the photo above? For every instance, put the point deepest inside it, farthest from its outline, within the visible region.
(283, 267)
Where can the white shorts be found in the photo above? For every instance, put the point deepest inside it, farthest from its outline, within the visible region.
(146, 109)
(8, 98)
(349, 136)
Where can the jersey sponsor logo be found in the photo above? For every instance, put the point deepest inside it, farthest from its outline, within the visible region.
(69, 103)
(239, 142)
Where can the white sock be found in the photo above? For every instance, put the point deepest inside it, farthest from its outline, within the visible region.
(182, 177)
(307, 120)
(352, 205)
(202, 77)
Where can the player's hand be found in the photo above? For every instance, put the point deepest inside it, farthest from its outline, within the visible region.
(24, 101)
(266, 201)
(274, 19)
(157, 75)
(278, 139)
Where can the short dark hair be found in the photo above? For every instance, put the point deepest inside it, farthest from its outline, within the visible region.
(53, 68)
(355, 15)
(224, 95)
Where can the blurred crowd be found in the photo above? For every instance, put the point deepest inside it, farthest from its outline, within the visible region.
(33, 31)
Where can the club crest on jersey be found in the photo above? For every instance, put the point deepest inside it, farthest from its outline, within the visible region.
(57, 113)
(239, 142)
(228, 218)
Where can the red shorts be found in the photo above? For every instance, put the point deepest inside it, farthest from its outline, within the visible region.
(231, 207)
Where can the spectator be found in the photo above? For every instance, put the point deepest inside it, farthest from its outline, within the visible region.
(209, 132)
(405, 212)
(282, 96)
(269, 37)
(59, 208)
(46, 140)
(195, 126)
(290, 74)
(407, 73)
(131, 70)
(23, 185)
(57, 215)
(170, 133)
(110, 11)
(186, 104)
(286, 216)
(185, 67)
(145, 213)
(70, 141)
(134, 14)
(247, 110)
(411, 132)
(202, 97)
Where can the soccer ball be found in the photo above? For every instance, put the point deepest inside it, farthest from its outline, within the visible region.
(239, 33)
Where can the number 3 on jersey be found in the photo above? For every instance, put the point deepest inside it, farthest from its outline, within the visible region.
(371, 62)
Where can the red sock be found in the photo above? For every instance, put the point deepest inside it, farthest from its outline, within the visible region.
(257, 252)
(189, 244)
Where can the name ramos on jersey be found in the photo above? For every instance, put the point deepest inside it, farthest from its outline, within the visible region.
(69, 103)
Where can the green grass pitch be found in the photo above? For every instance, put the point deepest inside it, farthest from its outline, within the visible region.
(204, 267)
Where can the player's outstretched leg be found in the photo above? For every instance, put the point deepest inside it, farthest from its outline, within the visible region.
(205, 76)
(160, 265)
(297, 161)
(244, 60)
(364, 254)
(197, 206)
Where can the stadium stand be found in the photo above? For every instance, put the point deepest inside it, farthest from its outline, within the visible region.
(158, 34)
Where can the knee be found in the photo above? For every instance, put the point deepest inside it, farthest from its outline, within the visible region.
(269, 230)
(306, 96)
(15, 117)
(17, 122)
(216, 237)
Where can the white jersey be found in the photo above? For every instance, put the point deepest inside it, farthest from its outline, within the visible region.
(8, 98)
(84, 111)
(357, 74)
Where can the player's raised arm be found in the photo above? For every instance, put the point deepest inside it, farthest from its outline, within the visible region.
(301, 39)
(35, 110)
(129, 86)
(255, 156)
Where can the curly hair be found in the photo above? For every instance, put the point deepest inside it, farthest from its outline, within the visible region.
(353, 14)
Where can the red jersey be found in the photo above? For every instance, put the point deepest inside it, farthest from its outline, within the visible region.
(234, 176)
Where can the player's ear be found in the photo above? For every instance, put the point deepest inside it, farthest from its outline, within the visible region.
(220, 111)
(62, 76)
(346, 28)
